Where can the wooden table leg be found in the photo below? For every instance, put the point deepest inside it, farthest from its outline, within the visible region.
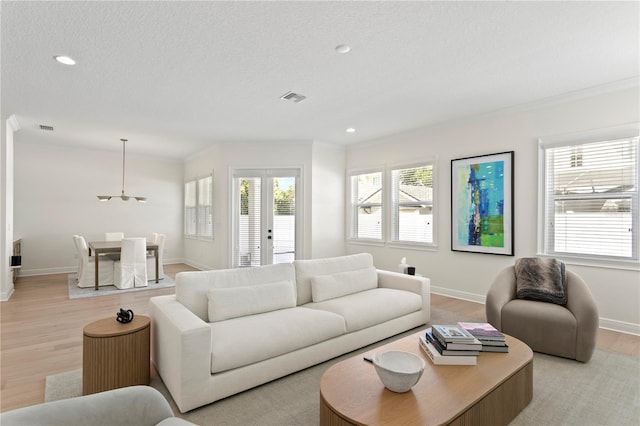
(97, 257)
(157, 268)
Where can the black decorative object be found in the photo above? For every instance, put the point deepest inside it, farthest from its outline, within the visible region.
(124, 317)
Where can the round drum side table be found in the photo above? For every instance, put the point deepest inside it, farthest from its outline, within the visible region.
(115, 355)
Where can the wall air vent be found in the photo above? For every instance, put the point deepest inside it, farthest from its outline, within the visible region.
(295, 97)
(44, 127)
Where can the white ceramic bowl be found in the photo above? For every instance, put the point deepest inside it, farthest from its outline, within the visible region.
(398, 370)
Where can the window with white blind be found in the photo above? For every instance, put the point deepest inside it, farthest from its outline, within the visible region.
(198, 207)
(412, 204)
(589, 189)
(190, 208)
(366, 206)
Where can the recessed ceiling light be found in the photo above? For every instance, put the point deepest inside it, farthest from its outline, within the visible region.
(351, 130)
(343, 48)
(65, 60)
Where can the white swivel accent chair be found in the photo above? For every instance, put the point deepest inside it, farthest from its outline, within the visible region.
(113, 236)
(151, 259)
(131, 270)
(87, 266)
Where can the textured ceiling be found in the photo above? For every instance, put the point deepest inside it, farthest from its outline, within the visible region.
(174, 77)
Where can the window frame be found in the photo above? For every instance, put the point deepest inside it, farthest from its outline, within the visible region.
(577, 140)
(394, 204)
(352, 227)
(387, 206)
(201, 216)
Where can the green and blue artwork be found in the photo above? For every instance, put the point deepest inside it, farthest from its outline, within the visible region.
(480, 204)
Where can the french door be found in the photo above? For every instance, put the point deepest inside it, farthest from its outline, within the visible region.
(265, 215)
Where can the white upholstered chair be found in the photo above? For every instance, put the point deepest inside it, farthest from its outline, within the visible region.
(151, 258)
(131, 270)
(113, 236)
(87, 266)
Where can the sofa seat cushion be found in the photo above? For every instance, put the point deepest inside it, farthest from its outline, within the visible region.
(246, 340)
(524, 319)
(371, 307)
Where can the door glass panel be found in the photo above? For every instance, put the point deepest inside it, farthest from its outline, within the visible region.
(284, 219)
(249, 226)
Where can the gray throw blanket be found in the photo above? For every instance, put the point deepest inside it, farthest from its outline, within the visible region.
(541, 279)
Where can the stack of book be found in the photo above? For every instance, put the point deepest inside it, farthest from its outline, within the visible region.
(492, 340)
(450, 345)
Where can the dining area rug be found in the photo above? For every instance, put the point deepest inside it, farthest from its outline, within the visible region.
(76, 292)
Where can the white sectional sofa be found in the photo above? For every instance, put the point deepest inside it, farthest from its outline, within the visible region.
(226, 331)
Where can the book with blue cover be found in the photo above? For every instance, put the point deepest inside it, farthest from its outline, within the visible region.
(453, 349)
(438, 359)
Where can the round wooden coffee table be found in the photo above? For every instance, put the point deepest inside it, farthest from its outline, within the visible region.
(115, 355)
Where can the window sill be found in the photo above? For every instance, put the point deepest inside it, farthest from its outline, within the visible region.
(627, 265)
(366, 242)
(394, 244)
(412, 246)
(195, 238)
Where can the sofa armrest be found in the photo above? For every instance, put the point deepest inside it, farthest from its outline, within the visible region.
(134, 405)
(502, 290)
(583, 306)
(181, 348)
(412, 283)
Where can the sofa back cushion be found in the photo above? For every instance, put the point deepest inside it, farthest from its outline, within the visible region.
(192, 288)
(325, 287)
(305, 270)
(232, 302)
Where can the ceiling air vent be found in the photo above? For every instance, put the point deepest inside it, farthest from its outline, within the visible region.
(44, 127)
(295, 97)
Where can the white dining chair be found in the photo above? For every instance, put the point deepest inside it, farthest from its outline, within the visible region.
(87, 266)
(75, 243)
(151, 259)
(113, 236)
(131, 270)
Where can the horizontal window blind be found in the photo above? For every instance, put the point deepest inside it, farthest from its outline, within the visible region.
(198, 207)
(412, 204)
(190, 208)
(366, 193)
(591, 192)
(205, 207)
(250, 222)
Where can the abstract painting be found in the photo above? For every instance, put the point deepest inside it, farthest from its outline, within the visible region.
(482, 204)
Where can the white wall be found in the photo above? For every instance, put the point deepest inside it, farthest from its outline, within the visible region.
(469, 275)
(55, 197)
(221, 158)
(327, 200)
(6, 206)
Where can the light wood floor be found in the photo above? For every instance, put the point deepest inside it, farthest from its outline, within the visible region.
(41, 331)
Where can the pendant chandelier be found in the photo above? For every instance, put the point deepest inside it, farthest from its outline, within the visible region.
(122, 196)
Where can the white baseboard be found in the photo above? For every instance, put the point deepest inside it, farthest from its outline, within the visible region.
(620, 326)
(7, 295)
(456, 294)
(609, 324)
(198, 265)
(70, 269)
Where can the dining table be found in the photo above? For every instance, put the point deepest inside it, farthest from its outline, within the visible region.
(105, 247)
